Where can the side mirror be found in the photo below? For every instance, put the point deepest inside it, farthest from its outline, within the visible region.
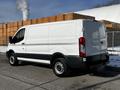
(10, 39)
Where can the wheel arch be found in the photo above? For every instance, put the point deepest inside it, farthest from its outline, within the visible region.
(56, 55)
(9, 52)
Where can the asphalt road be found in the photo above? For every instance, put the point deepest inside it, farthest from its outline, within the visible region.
(30, 76)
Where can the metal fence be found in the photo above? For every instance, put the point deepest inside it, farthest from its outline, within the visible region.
(113, 38)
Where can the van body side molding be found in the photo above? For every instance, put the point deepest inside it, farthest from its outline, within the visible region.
(33, 60)
(46, 57)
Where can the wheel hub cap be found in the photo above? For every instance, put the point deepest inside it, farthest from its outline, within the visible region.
(12, 60)
(59, 68)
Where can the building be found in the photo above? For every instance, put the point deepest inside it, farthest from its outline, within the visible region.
(110, 13)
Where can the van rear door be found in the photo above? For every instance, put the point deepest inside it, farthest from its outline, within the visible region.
(95, 36)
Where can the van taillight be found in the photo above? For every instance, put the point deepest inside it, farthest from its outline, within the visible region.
(82, 40)
(82, 52)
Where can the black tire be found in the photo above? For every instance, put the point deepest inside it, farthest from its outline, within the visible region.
(13, 60)
(60, 68)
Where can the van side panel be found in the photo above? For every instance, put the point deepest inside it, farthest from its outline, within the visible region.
(37, 39)
(54, 37)
(63, 37)
(43, 40)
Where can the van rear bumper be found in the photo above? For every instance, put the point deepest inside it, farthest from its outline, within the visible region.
(78, 62)
(97, 59)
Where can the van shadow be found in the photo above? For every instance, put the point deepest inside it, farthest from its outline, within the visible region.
(106, 71)
(72, 73)
(34, 64)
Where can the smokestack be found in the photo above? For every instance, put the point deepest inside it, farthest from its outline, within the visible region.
(22, 5)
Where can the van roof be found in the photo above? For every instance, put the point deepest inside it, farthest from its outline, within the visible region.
(54, 22)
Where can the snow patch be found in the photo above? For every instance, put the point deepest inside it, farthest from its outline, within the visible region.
(114, 61)
(3, 49)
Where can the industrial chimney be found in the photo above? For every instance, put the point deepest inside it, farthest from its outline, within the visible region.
(22, 5)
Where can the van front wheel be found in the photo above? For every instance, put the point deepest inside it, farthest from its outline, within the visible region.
(13, 60)
(60, 68)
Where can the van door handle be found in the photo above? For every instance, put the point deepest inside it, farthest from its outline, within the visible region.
(101, 42)
(23, 43)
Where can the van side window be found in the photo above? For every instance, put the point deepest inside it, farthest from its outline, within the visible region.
(19, 36)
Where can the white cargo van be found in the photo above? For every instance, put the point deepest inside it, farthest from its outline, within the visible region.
(63, 45)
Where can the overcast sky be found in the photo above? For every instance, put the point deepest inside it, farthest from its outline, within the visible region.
(43, 8)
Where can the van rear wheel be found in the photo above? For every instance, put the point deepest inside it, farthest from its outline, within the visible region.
(60, 67)
(13, 60)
